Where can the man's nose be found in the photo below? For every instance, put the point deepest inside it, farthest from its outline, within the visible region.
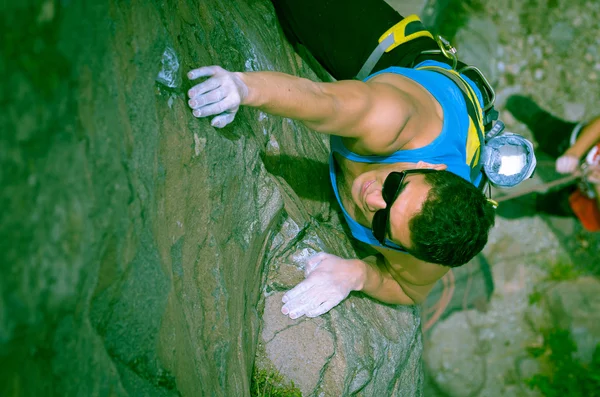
(375, 201)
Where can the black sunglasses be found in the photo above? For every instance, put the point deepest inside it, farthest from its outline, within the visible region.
(392, 187)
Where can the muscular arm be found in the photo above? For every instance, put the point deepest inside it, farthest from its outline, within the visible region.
(373, 113)
(329, 280)
(414, 277)
(346, 108)
(381, 285)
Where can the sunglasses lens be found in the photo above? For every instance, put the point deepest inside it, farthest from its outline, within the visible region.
(379, 225)
(391, 185)
(390, 191)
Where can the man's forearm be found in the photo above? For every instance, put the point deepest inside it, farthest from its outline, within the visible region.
(285, 95)
(344, 108)
(373, 113)
(379, 283)
(588, 137)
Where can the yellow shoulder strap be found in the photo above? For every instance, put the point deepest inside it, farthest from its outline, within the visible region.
(407, 29)
(475, 135)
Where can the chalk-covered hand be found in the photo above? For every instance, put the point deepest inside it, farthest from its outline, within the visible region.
(567, 164)
(221, 94)
(329, 280)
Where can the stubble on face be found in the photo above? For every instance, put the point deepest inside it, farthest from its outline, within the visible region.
(408, 204)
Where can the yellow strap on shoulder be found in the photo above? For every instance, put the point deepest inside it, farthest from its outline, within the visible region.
(473, 147)
(407, 29)
(465, 87)
(475, 132)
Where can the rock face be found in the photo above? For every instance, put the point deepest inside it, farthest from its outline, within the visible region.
(138, 243)
(360, 347)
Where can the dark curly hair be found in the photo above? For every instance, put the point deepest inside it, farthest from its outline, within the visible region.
(454, 222)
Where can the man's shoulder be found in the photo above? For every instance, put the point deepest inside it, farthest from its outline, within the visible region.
(402, 113)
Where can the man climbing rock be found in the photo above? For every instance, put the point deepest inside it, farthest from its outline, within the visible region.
(405, 143)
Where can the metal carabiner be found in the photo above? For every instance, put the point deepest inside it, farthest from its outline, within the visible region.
(448, 50)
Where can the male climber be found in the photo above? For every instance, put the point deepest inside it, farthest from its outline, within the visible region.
(400, 160)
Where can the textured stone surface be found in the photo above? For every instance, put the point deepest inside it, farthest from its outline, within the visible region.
(361, 346)
(135, 239)
(475, 353)
(575, 306)
(477, 43)
(484, 354)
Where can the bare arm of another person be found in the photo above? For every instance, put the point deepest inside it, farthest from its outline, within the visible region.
(372, 112)
(588, 137)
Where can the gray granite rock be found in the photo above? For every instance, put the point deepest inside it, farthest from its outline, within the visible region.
(136, 240)
(477, 44)
(360, 346)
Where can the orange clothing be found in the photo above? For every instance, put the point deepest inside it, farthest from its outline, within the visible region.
(583, 204)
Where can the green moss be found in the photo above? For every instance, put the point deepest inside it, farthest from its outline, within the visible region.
(556, 272)
(565, 374)
(562, 272)
(271, 384)
(535, 297)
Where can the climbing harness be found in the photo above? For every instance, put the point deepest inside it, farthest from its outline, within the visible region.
(404, 31)
(496, 158)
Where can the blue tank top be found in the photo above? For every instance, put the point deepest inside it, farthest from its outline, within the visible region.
(448, 148)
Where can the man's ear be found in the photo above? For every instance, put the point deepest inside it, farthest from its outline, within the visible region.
(439, 167)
